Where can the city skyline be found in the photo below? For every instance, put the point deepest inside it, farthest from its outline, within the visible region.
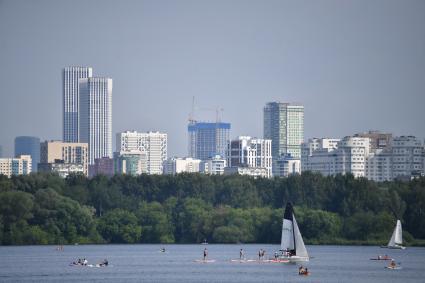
(351, 78)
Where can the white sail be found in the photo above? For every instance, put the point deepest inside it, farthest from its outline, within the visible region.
(300, 249)
(287, 241)
(396, 237)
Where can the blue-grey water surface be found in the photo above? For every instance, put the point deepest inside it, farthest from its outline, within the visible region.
(145, 263)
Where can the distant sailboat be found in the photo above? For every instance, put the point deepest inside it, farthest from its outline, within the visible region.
(396, 240)
(292, 245)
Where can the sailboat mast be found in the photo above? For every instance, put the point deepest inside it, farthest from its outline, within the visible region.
(293, 233)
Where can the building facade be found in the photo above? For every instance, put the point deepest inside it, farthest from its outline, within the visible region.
(64, 153)
(153, 144)
(283, 123)
(213, 166)
(250, 152)
(95, 116)
(62, 169)
(102, 166)
(287, 165)
(70, 88)
(177, 165)
(208, 139)
(130, 162)
(25, 145)
(247, 171)
(21, 165)
(407, 157)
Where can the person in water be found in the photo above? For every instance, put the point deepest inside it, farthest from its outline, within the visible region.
(104, 262)
(392, 264)
(260, 252)
(241, 254)
(205, 253)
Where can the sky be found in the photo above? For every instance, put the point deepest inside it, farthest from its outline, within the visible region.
(355, 65)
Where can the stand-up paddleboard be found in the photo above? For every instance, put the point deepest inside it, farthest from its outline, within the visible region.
(278, 260)
(382, 258)
(243, 260)
(204, 260)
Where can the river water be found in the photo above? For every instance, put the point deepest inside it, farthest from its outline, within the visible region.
(145, 263)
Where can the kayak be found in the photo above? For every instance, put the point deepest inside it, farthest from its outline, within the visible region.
(393, 267)
(388, 258)
(304, 273)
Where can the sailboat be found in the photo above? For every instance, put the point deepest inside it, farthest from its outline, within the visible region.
(292, 246)
(396, 240)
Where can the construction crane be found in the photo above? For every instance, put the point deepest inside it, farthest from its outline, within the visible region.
(218, 110)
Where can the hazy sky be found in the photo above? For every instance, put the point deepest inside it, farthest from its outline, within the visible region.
(355, 65)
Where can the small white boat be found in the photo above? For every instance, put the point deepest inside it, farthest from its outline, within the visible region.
(396, 241)
(292, 246)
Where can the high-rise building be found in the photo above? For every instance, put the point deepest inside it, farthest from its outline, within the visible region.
(95, 116)
(208, 139)
(70, 80)
(284, 125)
(176, 165)
(20, 165)
(153, 144)
(25, 145)
(64, 153)
(250, 152)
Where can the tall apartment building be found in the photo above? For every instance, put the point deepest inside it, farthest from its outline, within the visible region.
(95, 116)
(284, 125)
(59, 152)
(177, 165)
(250, 152)
(25, 145)
(351, 156)
(208, 139)
(330, 156)
(71, 109)
(20, 165)
(407, 157)
(153, 144)
(213, 166)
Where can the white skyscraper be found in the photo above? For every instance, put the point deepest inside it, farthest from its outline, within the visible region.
(154, 144)
(95, 116)
(71, 77)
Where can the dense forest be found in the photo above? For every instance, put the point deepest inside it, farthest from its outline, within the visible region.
(188, 208)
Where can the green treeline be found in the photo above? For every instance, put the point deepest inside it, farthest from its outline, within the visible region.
(188, 208)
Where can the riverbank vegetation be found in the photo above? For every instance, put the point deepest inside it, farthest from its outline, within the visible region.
(190, 208)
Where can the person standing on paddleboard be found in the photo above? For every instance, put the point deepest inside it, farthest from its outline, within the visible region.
(205, 253)
(241, 254)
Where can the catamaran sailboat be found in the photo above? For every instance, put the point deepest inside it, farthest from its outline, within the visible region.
(292, 246)
(396, 240)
